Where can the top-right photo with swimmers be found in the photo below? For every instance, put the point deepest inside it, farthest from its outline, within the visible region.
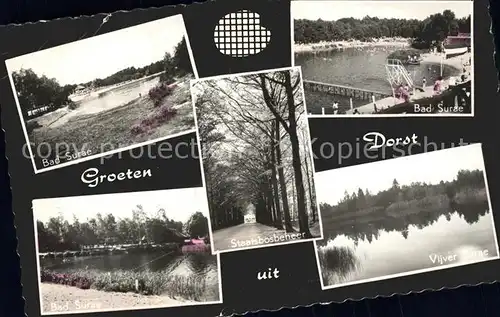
(385, 58)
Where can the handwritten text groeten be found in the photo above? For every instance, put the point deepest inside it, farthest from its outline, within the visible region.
(93, 178)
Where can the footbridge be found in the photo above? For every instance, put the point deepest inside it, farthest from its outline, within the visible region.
(346, 91)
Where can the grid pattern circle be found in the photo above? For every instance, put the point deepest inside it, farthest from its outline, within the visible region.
(240, 34)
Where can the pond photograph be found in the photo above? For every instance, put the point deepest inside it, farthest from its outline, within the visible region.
(125, 251)
(105, 93)
(381, 57)
(404, 216)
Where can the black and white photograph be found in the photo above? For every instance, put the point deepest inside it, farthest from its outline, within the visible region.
(404, 216)
(125, 251)
(257, 159)
(385, 58)
(105, 94)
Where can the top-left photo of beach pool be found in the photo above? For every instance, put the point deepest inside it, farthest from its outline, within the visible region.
(105, 94)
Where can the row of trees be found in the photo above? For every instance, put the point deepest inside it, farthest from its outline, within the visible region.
(35, 91)
(364, 200)
(433, 29)
(416, 191)
(59, 234)
(254, 145)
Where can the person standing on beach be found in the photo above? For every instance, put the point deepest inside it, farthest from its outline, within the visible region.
(335, 107)
(452, 81)
(438, 85)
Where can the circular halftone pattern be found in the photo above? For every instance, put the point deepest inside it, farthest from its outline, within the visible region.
(240, 34)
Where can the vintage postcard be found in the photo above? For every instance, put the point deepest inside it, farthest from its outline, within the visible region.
(229, 157)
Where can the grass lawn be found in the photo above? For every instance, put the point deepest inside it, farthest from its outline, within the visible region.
(111, 129)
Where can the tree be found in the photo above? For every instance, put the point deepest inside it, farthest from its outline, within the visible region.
(35, 91)
(197, 225)
(424, 32)
(181, 57)
(168, 69)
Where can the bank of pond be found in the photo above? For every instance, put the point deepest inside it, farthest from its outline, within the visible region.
(99, 250)
(188, 277)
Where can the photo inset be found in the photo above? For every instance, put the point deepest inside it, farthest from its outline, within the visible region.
(125, 251)
(385, 58)
(257, 159)
(404, 216)
(104, 94)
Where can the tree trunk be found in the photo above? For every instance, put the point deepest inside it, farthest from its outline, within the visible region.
(294, 140)
(277, 211)
(309, 186)
(294, 201)
(284, 196)
(270, 205)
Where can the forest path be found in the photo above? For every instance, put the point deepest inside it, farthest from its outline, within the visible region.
(228, 238)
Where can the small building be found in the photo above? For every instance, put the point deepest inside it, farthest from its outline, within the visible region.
(79, 88)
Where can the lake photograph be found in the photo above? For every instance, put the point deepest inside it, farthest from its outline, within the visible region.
(404, 216)
(125, 251)
(383, 57)
(105, 93)
(257, 159)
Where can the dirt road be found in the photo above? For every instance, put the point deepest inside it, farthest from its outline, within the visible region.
(62, 298)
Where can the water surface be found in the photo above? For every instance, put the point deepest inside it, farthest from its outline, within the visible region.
(375, 248)
(198, 264)
(361, 68)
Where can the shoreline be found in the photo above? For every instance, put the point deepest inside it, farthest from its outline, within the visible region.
(63, 298)
(340, 45)
(455, 62)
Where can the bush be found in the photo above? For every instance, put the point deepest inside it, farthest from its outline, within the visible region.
(150, 283)
(136, 129)
(32, 125)
(164, 114)
(156, 94)
(65, 279)
(72, 105)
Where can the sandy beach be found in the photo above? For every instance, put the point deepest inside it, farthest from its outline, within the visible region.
(62, 298)
(329, 46)
(456, 62)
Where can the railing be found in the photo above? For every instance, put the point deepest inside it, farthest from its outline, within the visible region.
(397, 73)
(346, 91)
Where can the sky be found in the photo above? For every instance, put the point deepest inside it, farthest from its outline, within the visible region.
(429, 167)
(179, 204)
(334, 10)
(103, 55)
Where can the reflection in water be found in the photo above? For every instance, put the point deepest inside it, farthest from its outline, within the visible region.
(380, 246)
(360, 68)
(199, 264)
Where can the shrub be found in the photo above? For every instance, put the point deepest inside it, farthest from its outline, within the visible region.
(150, 283)
(72, 105)
(32, 125)
(157, 93)
(136, 129)
(166, 113)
